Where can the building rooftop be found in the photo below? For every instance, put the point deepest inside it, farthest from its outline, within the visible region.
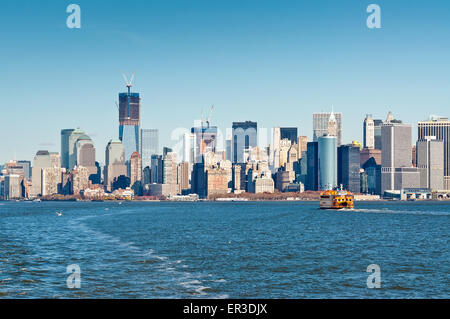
(84, 137)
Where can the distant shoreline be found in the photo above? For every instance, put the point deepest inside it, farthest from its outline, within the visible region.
(221, 201)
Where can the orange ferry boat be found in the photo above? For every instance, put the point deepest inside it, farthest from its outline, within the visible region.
(336, 199)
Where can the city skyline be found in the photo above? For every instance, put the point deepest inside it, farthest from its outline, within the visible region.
(222, 143)
(215, 157)
(247, 63)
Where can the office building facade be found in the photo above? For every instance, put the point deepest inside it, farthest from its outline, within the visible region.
(114, 163)
(348, 158)
(68, 147)
(377, 133)
(129, 122)
(41, 160)
(65, 148)
(322, 122)
(397, 171)
(327, 162)
(149, 145)
(312, 175)
(372, 170)
(26, 166)
(430, 161)
(369, 132)
(438, 127)
(291, 133)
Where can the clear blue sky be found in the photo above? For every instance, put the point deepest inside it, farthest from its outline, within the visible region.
(274, 62)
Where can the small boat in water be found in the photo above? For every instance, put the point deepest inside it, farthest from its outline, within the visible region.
(336, 199)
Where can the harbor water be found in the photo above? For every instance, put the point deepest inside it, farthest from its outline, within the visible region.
(223, 250)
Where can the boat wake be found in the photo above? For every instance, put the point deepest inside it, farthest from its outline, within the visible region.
(398, 212)
(190, 285)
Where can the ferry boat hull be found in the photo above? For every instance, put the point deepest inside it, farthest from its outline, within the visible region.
(339, 199)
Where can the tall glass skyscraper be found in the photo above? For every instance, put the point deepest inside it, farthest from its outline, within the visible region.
(129, 122)
(149, 145)
(377, 133)
(114, 163)
(349, 161)
(312, 162)
(65, 138)
(328, 162)
(69, 138)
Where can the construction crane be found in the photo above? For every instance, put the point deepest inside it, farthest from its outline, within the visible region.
(210, 115)
(130, 83)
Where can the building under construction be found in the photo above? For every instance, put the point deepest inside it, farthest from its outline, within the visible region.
(129, 120)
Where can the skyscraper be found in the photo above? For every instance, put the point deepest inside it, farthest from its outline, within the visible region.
(149, 145)
(369, 132)
(69, 139)
(205, 140)
(12, 186)
(321, 123)
(290, 133)
(285, 146)
(156, 169)
(397, 172)
(136, 173)
(228, 149)
(170, 172)
(114, 163)
(79, 179)
(349, 167)
(51, 180)
(189, 148)
(129, 121)
(245, 135)
(396, 145)
(41, 160)
(377, 133)
(373, 172)
(26, 165)
(302, 145)
(183, 176)
(327, 162)
(275, 150)
(430, 161)
(65, 138)
(440, 128)
(85, 153)
(55, 159)
(312, 177)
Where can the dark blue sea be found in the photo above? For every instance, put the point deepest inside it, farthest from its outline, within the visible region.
(224, 250)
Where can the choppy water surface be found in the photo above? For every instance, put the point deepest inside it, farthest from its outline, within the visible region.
(224, 250)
